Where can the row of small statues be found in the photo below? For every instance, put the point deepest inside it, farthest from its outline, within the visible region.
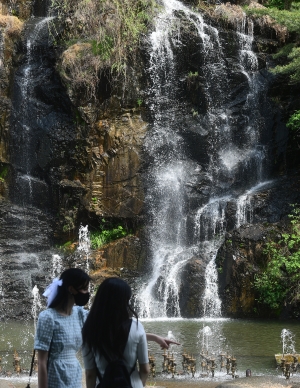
(169, 365)
(208, 364)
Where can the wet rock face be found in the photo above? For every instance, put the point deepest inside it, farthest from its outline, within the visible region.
(25, 258)
(192, 288)
(126, 253)
(237, 261)
(10, 31)
(59, 163)
(115, 189)
(20, 8)
(241, 256)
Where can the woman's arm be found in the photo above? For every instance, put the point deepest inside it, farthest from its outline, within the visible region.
(42, 369)
(90, 377)
(163, 342)
(144, 372)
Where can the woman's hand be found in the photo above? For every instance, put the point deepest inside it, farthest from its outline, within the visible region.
(164, 343)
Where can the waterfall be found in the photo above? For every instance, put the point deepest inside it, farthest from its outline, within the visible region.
(229, 123)
(36, 121)
(26, 121)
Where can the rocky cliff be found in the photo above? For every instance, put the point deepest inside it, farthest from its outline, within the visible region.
(88, 159)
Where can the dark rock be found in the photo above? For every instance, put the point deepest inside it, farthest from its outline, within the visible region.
(192, 288)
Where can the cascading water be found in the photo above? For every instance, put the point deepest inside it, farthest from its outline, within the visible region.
(26, 237)
(26, 124)
(228, 121)
(36, 121)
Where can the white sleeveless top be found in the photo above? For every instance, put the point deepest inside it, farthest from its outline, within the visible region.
(136, 350)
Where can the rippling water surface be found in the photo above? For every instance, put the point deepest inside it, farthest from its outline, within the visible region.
(253, 343)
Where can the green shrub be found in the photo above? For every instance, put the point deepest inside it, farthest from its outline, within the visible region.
(280, 281)
(288, 18)
(294, 121)
(280, 4)
(284, 51)
(292, 68)
(104, 236)
(285, 14)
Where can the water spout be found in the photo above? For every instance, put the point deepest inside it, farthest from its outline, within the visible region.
(36, 305)
(288, 342)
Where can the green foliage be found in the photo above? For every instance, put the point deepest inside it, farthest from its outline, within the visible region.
(292, 68)
(67, 247)
(3, 172)
(294, 121)
(284, 51)
(286, 14)
(280, 281)
(191, 74)
(275, 3)
(105, 35)
(288, 18)
(103, 48)
(280, 4)
(104, 235)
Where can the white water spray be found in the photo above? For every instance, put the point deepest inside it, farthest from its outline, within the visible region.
(36, 305)
(57, 266)
(84, 245)
(288, 342)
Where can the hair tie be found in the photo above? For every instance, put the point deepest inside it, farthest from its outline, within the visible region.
(52, 290)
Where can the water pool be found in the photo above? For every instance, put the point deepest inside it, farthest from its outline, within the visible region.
(253, 343)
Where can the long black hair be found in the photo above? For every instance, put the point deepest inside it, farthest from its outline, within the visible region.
(75, 277)
(106, 327)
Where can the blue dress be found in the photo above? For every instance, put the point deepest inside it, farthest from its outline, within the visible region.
(62, 335)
